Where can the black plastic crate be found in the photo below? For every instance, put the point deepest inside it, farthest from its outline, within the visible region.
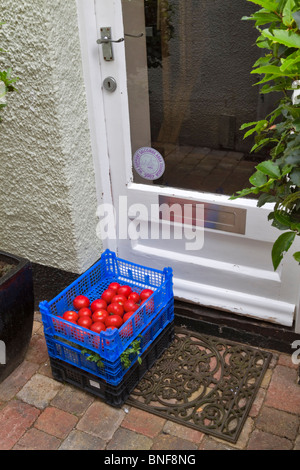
(111, 371)
(118, 394)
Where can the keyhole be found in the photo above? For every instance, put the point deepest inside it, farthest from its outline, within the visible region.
(110, 84)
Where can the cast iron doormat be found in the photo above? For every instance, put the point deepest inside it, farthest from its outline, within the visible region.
(203, 382)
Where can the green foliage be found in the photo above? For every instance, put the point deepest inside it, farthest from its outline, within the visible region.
(134, 349)
(92, 357)
(6, 83)
(127, 356)
(5, 76)
(277, 180)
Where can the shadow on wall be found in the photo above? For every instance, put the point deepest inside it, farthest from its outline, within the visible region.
(49, 282)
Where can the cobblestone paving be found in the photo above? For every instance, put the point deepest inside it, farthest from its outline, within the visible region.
(39, 413)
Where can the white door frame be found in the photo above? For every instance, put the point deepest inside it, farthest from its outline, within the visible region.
(110, 135)
(95, 104)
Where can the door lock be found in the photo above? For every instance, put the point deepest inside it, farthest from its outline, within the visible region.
(110, 84)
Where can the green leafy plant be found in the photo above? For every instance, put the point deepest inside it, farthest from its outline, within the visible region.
(92, 357)
(6, 82)
(126, 357)
(134, 349)
(89, 355)
(277, 180)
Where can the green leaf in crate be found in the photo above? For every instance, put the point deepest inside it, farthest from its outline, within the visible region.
(133, 348)
(92, 357)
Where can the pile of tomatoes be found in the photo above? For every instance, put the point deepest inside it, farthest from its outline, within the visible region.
(116, 304)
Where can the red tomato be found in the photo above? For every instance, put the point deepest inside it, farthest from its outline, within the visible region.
(115, 309)
(84, 312)
(134, 296)
(70, 315)
(128, 315)
(119, 298)
(114, 285)
(98, 326)
(114, 320)
(107, 295)
(145, 294)
(124, 290)
(98, 304)
(85, 322)
(81, 301)
(130, 305)
(99, 315)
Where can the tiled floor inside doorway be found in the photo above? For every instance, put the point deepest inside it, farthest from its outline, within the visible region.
(205, 169)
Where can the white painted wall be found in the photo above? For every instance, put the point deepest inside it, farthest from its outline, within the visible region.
(48, 195)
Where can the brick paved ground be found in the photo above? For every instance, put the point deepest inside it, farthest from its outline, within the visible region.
(39, 413)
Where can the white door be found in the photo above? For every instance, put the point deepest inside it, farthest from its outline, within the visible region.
(184, 105)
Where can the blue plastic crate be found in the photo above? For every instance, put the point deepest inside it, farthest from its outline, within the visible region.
(109, 344)
(114, 395)
(111, 372)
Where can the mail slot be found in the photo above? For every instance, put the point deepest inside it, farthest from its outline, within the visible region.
(216, 216)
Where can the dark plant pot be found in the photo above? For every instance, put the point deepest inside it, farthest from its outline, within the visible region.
(16, 313)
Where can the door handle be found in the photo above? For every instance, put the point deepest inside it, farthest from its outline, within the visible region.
(134, 35)
(106, 41)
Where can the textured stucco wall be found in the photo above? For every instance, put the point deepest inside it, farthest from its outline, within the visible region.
(47, 191)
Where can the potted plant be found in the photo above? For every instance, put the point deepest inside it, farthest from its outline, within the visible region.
(277, 179)
(16, 286)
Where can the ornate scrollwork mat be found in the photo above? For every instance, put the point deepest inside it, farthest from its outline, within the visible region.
(203, 382)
